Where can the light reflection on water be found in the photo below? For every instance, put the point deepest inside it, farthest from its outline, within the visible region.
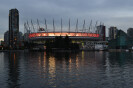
(66, 70)
(51, 70)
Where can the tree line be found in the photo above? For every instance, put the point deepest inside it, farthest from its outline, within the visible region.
(61, 43)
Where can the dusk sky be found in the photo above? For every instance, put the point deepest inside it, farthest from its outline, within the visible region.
(117, 13)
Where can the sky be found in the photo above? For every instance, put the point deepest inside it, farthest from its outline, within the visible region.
(117, 13)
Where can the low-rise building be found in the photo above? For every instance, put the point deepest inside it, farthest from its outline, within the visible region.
(101, 30)
(19, 42)
(130, 32)
(112, 32)
(122, 41)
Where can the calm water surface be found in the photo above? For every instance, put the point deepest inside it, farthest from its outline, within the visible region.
(66, 70)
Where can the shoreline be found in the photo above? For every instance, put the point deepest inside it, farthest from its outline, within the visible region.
(68, 50)
(55, 50)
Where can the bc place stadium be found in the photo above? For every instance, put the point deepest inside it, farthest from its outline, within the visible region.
(96, 32)
(40, 34)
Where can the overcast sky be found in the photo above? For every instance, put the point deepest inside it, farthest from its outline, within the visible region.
(117, 13)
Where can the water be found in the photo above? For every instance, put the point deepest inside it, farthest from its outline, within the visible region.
(66, 70)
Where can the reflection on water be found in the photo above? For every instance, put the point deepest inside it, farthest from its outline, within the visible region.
(13, 69)
(51, 71)
(66, 69)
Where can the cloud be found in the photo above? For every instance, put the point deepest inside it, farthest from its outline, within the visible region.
(110, 12)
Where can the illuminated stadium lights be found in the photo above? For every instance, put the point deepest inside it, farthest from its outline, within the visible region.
(44, 34)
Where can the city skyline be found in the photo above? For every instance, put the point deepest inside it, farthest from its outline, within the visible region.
(111, 13)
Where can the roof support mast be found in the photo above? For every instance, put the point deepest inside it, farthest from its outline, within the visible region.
(25, 28)
(53, 27)
(69, 26)
(38, 24)
(96, 27)
(76, 27)
(91, 26)
(61, 26)
(32, 26)
(46, 26)
(83, 27)
(28, 26)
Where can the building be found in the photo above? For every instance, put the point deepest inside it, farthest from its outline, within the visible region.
(6, 38)
(13, 39)
(101, 30)
(20, 39)
(112, 32)
(122, 41)
(13, 28)
(130, 32)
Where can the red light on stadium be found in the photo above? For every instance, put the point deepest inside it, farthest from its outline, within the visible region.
(31, 35)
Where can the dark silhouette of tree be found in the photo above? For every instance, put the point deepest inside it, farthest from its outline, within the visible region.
(48, 45)
(61, 43)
